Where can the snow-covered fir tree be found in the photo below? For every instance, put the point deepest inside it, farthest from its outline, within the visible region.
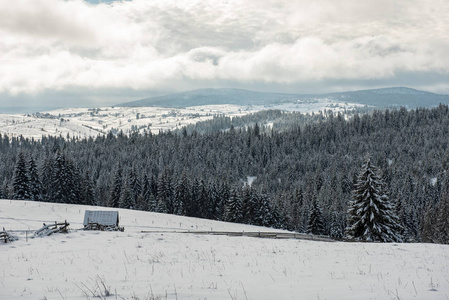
(87, 191)
(336, 228)
(182, 194)
(442, 228)
(233, 207)
(116, 188)
(316, 222)
(265, 211)
(371, 215)
(21, 181)
(126, 199)
(144, 198)
(135, 186)
(35, 185)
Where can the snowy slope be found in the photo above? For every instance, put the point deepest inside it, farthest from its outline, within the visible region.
(135, 265)
(86, 122)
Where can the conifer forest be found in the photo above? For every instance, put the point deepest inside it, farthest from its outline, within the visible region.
(309, 174)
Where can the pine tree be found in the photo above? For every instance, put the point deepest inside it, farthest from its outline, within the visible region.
(192, 206)
(181, 195)
(315, 224)
(59, 177)
(34, 182)
(233, 207)
(336, 229)
(21, 182)
(265, 211)
(144, 198)
(249, 205)
(212, 202)
(46, 176)
(87, 191)
(116, 188)
(66, 181)
(428, 225)
(442, 221)
(371, 216)
(164, 193)
(126, 199)
(224, 192)
(152, 203)
(135, 187)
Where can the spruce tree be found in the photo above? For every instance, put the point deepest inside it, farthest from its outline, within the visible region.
(233, 207)
(265, 212)
(116, 188)
(371, 215)
(126, 199)
(181, 196)
(46, 176)
(144, 198)
(35, 184)
(336, 229)
(442, 221)
(135, 186)
(87, 191)
(315, 223)
(21, 181)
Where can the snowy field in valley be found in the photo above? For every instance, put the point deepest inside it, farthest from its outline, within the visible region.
(170, 265)
(85, 122)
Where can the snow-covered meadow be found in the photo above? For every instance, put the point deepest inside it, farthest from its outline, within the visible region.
(86, 122)
(171, 265)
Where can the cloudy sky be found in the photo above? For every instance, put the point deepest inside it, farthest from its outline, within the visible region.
(78, 53)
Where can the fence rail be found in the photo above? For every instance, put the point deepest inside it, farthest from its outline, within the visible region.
(6, 237)
(255, 234)
(62, 227)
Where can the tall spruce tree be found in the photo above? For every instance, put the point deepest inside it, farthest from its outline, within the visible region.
(233, 207)
(21, 180)
(336, 229)
(316, 222)
(442, 221)
(371, 215)
(116, 188)
(35, 185)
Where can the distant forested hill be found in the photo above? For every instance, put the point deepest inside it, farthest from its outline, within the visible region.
(387, 97)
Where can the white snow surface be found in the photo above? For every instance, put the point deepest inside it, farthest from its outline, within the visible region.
(171, 265)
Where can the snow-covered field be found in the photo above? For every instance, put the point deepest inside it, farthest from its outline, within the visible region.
(85, 122)
(170, 265)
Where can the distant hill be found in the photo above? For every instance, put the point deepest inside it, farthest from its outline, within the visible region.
(386, 97)
(213, 97)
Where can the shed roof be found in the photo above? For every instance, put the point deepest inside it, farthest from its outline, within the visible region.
(108, 218)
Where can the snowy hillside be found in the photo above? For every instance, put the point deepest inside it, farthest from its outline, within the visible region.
(170, 265)
(85, 122)
(384, 97)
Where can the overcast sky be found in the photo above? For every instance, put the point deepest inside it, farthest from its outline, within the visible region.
(77, 52)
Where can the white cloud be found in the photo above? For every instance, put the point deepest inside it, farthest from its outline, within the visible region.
(147, 44)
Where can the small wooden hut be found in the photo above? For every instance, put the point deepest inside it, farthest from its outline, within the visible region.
(101, 220)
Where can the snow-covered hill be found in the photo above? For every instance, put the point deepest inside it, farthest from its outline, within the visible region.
(85, 122)
(170, 265)
(384, 97)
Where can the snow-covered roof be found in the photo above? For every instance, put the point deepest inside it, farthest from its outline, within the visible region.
(108, 218)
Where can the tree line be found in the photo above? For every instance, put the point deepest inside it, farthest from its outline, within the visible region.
(305, 174)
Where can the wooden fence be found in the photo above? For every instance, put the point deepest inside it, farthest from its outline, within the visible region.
(6, 237)
(256, 234)
(62, 227)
